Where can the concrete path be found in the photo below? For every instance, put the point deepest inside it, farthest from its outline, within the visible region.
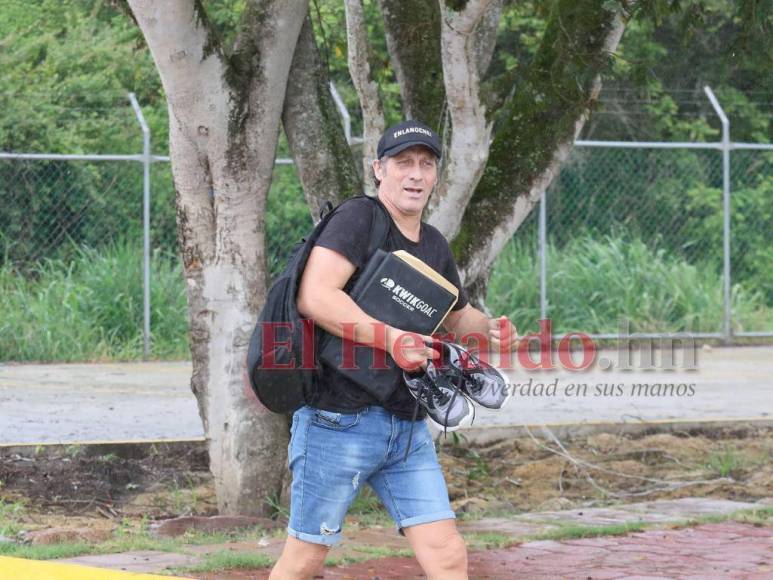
(726, 550)
(152, 401)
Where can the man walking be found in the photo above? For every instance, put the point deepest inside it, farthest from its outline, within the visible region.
(348, 439)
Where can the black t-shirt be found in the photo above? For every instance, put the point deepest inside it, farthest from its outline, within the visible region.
(348, 233)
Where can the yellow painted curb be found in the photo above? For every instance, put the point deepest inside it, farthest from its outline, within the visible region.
(22, 569)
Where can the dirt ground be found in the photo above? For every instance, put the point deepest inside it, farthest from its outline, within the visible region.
(106, 487)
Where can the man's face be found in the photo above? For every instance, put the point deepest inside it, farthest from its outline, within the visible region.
(407, 178)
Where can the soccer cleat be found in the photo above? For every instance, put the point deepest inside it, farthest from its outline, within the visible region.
(437, 390)
(483, 383)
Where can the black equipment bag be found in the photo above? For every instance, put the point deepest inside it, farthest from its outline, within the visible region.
(279, 375)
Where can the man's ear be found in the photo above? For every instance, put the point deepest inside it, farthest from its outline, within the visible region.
(377, 169)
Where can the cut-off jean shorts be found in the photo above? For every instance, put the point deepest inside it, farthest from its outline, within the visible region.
(332, 455)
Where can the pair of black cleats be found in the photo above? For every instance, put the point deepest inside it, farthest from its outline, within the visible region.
(449, 384)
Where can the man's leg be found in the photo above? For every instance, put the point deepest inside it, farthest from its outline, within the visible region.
(330, 456)
(299, 560)
(414, 492)
(440, 549)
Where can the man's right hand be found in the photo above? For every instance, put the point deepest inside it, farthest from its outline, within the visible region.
(409, 350)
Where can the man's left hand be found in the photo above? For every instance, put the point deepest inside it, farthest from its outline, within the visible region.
(502, 334)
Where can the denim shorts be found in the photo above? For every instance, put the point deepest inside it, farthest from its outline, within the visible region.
(332, 455)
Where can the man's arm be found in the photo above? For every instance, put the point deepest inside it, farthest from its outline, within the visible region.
(321, 298)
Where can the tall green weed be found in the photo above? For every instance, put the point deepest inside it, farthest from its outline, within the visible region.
(90, 308)
(594, 283)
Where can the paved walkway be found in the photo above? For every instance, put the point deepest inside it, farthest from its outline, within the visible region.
(152, 401)
(730, 551)
(725, 550)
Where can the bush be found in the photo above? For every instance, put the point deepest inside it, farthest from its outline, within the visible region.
(90, 308)
(594, 283)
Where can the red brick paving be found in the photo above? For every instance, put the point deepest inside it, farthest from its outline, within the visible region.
(728, 550)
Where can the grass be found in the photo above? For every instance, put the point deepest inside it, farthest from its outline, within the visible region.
(595, 283)
(367, 553)
(227, 560)
(488, 540)
(11, 513)
(90, 307)
(755, 516)
(381, 552)
(574, 531)
(368, 510)
(727, 463)
(127, 539)
(131, 539)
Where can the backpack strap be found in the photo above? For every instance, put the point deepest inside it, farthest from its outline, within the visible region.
(326, 209)
(380, 229)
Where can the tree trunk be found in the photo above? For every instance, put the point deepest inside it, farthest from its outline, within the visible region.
(224, 111)
(358, 52)
(463, 49)
(323, 159)
(412, 29)
(536, 128)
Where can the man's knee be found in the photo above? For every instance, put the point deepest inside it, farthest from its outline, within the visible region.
(299, 559)
(450, 552)
(440, 550)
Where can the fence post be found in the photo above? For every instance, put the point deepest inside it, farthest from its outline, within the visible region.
(725, 147)
(146, 160)
(344, 112)
(543, 251)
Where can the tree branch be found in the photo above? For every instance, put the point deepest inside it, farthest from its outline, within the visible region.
(367, 90)
(536, 128)
(412, 29)
(486, 37)
(188, 58)
(467, 151)
(323, 159)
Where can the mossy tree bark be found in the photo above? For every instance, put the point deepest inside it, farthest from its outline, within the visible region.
(224, 109)
(535, 126)
(412, 29)
(505, 138)
(323, 159)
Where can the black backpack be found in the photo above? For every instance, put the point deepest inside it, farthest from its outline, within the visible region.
(278, 373)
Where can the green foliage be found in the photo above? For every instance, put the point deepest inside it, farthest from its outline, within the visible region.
(228, 560)
(67, 68)
(726, 463)
(655, 88)
(593, 284)
(45, 552)
(10, 516)
(752, 222)
(287, 217)
(90, 307)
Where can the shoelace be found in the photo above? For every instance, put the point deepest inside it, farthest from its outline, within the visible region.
(434, 387)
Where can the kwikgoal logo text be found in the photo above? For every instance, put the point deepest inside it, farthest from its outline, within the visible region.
(406, 298)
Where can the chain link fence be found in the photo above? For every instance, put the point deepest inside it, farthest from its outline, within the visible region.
(52, 207)
(630, 234)
(634, 242)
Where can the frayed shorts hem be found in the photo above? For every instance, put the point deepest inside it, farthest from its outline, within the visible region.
(326, 540)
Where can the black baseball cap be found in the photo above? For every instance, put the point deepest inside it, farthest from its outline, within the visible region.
(407, 134)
